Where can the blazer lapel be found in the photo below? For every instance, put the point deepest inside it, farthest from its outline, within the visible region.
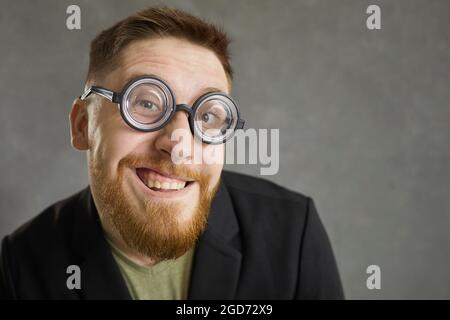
(216, 265)
(100, 275)
(217, 260)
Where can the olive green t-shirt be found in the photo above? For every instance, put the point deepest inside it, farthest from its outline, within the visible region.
(167, 280)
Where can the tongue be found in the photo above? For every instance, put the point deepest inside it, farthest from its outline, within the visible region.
(146, 174)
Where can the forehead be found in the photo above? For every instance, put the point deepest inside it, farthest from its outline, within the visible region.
(188, 68)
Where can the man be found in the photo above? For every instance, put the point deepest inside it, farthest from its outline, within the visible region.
(153, 223)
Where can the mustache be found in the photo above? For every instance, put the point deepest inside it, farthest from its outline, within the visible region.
(163, 165)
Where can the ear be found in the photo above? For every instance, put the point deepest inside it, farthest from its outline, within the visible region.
(79, 125)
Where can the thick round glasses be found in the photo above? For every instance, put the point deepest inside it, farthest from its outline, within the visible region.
(148, 104)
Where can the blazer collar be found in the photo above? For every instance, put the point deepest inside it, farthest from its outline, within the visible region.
(217, 261)
(216, 264)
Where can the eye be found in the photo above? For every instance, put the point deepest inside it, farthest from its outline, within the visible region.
(209, 117)
(147, 105)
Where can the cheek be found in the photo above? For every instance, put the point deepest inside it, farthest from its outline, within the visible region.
(213, 155)
(213, 162)
(111, 142)
(215, 170)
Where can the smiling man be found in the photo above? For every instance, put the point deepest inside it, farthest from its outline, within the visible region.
(149, 227)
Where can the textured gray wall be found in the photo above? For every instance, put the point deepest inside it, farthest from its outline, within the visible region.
(363, 117)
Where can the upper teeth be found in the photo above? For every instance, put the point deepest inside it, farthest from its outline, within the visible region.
(165, 185)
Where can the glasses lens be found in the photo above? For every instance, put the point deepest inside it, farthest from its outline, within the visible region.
(214, 116)
(146, 103)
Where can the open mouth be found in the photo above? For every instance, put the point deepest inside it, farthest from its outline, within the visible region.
(160, 182)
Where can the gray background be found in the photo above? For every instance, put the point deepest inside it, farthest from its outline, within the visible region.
(363, 118)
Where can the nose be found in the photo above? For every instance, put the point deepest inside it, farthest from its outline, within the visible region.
(175, 138)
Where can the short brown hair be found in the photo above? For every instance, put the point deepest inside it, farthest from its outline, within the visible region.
(156, 22)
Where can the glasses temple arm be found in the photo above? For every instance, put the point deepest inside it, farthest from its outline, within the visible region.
(110, 95)
(240, 124)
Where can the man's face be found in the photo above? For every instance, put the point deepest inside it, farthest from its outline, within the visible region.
(124, 163)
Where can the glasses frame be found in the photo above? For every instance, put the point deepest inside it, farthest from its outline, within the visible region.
(120, 98)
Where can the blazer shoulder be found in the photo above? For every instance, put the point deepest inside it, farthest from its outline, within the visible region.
(40, 250)
(42, 231)
(259, 187)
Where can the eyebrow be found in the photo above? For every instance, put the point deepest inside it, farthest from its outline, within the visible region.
(128, 79)
(210, 89)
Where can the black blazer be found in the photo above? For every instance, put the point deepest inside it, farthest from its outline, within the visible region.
(262, 241)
